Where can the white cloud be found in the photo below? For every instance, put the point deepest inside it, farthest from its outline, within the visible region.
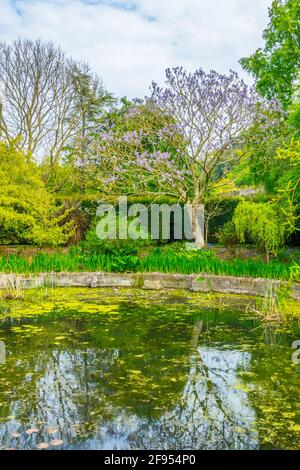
(131, 42)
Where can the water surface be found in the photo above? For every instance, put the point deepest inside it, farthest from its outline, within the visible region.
(129, 369)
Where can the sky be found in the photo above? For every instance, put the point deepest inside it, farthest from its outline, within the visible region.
(129, 43)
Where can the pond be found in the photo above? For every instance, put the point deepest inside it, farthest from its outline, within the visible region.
(131, 369)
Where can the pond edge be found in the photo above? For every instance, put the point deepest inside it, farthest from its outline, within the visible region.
(194, 282)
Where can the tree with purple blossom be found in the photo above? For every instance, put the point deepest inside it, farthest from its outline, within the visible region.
(185, 140)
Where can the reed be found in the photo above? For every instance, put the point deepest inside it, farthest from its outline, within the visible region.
(167, 261)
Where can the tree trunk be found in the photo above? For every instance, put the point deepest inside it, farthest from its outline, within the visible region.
(206, 232)
(196, 212)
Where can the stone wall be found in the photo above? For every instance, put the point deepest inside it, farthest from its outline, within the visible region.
(200, 283)
(234, 285)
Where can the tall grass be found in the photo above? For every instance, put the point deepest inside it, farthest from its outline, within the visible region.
(202, 262)
(167, 261)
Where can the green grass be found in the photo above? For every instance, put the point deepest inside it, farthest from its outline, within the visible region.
(204, 262)
(161, 260)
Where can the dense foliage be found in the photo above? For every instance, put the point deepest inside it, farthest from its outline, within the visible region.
(267, 225)
(28, 213)
(66, 143)
(276, 65)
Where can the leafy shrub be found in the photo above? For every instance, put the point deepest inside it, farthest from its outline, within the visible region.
(227, 234)
(266, 224)
(121, 247)
(111, 247)
(125, 263)
(28, 213)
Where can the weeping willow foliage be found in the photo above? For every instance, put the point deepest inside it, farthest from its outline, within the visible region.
(265, 224)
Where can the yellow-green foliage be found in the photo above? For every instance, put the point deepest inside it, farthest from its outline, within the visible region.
(27, 211)
(266, 224)
(289, 157)
(290, 152)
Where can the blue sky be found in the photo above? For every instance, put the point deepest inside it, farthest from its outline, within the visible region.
(129, 43)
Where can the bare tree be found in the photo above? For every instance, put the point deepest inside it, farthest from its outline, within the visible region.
(36, 97)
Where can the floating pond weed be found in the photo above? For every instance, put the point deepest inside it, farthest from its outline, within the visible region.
(157, 362)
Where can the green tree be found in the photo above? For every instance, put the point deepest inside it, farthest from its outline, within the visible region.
(28, 213)
(288, 157)
(276, 65)
(74, 178)
(294, 111)
(91, 103)
(265, 224)
(263, 140)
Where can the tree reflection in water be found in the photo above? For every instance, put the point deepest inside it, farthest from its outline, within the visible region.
(68, 391)
(150, 381)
